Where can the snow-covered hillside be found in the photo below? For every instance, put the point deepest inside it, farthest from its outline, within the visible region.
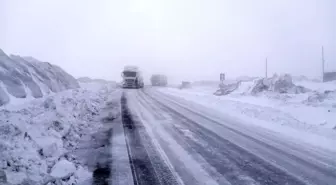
(28, 78)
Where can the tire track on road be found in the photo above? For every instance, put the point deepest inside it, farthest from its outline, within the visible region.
(302, 167)
(321, 156)
(233, 156)
(147, 167)
(181, 140)
(219, 166)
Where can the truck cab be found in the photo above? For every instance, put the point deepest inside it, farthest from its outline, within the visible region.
(132, 78)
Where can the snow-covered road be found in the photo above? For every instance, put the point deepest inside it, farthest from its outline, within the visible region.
(170, 140)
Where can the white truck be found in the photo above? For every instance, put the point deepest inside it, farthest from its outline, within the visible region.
(132, 77)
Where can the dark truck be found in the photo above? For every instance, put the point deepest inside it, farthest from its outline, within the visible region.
(159, 80)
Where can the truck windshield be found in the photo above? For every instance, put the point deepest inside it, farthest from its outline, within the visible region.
(129, 73)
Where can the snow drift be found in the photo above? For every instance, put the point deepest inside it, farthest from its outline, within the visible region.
(21, 77)
(326, 98)
(308, 103)
(49, 132)
(277, 84)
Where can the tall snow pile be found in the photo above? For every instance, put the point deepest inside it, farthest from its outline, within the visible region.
(277, 84)
(21, 77)
(39, 140)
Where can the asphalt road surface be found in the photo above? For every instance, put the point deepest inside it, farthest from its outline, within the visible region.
(168, 140)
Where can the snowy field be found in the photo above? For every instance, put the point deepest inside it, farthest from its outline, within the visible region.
(47, 140)
(310, 116)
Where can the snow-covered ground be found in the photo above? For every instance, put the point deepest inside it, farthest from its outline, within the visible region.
(43, 141)
(309, 116)
(63, 137)
(204, 143)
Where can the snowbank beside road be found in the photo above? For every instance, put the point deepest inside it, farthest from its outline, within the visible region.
(298, 98)
(26, 77)
(36, 138)
(277, 84)
(283, 88)
(312, 125)
(277, 103)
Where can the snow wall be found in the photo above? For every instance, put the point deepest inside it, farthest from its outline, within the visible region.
(21, 77)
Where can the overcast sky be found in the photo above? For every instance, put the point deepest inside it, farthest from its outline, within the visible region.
(184, 39)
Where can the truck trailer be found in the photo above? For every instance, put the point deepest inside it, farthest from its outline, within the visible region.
(159, 80)
(132, 77)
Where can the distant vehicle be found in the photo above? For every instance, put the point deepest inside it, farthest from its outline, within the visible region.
(185, 85)
(159, 80)
(132, 77)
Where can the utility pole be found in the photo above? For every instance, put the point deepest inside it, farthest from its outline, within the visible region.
(266, 68)
(322, 64)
